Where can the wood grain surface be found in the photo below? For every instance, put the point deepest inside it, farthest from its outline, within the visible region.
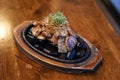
(85, 18)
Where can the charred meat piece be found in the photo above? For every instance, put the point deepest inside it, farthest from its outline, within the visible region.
(36, 30)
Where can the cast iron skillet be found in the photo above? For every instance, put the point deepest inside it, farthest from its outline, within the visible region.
(46, 48)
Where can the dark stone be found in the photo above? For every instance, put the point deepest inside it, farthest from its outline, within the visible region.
(80, 54)
(71, 54)
(84, 47)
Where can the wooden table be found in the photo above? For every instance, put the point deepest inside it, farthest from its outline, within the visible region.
(86, 19)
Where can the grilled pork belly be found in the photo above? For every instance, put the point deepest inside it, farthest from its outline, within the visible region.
(60, 35)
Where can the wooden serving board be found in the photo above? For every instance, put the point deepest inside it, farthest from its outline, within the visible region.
(88, 65)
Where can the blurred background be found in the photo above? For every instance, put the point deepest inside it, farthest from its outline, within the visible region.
(111, 9)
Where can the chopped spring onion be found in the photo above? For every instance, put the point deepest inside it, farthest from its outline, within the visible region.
(58, 18)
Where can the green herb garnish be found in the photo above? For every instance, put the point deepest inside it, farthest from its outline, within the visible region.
(58, 18)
